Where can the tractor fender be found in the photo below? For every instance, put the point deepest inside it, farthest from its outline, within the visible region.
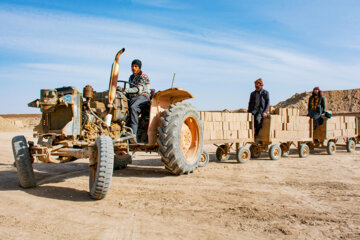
(159, 104)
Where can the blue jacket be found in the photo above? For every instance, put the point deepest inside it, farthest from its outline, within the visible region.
(264, 102)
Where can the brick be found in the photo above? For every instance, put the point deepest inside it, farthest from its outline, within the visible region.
(243, 134)
(226, 126)
(216, 134)
(217, 126)
(289, 111)
(227, 117)
(235, 125)
(251, 132)
(230, 134)
(207, 135)
(208, 116)
(290, 126)
(208, 125)
(216, 116)
(202, 116)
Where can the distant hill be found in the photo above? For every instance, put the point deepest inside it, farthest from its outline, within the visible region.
(337, 101)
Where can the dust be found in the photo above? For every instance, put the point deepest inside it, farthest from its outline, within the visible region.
(17, 123)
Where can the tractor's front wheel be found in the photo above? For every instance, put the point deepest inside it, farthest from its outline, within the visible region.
(180, 138)
(23, 162)
(101, 167)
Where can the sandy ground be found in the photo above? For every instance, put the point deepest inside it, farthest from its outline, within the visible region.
(313, 198)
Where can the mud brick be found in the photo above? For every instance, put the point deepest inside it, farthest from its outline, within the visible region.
(342, 125)
(226, 126)
(249, 117)
(208, 116)
(352, 132)
(216, 116)
(238, 125)
(216, 134)
(227, 117)
(235, 117)
(331, 126)
(243, 134)
(251, 132)
(277, 134)
(290, 126)
(208, 125)
(235, 125)
(207, 135)
(280, 111)
(243, 125)
(276, 122)
(217, 126)
(337, 133)
(289, 111)
(230, 134)
(202, 116)
(244, 117)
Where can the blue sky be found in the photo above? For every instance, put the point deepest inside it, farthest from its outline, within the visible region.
(216, 48)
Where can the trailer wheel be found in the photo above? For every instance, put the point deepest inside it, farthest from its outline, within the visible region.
(275, 152)
(101, 172)
(284, 150)
(180, 138)
(304, 150)
(204, 159)
(351, 145)
(255, 151)
(331, 148)
(221, 153)
(311, 146)
(23, 162)
(243, 155)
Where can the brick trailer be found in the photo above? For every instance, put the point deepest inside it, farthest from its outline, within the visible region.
(283, 128)
(229, 131)
(336, 131)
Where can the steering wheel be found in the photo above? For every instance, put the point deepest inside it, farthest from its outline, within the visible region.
(130, 85)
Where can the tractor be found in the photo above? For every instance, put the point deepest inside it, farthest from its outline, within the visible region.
(94, 125)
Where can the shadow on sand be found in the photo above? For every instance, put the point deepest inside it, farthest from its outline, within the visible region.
(47, 174)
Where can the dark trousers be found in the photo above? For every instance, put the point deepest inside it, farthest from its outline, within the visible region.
(135, 106)
(258, 122)
(317, 117)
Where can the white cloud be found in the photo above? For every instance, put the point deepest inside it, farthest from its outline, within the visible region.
(59, 49)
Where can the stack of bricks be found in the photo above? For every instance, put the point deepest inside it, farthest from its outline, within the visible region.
(285, 124)
(337, 126)
(226, 126)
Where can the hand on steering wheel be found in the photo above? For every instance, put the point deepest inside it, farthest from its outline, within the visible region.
(130, 85)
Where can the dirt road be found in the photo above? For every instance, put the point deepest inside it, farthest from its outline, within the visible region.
(313, 198)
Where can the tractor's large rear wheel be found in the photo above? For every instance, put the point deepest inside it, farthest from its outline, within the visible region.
(181, 138)
(101, 168)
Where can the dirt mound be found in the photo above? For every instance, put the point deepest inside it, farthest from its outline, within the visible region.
(17, 123)
(338, 101)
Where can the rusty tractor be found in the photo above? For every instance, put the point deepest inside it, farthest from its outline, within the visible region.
(94, 125)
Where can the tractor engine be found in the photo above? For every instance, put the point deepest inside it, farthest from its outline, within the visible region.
(68, 116)
(99, 118)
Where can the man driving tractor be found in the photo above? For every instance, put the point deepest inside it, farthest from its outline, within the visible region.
(138, 93)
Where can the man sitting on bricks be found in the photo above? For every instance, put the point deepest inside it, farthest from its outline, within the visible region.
(139, 96)
(259, 104)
